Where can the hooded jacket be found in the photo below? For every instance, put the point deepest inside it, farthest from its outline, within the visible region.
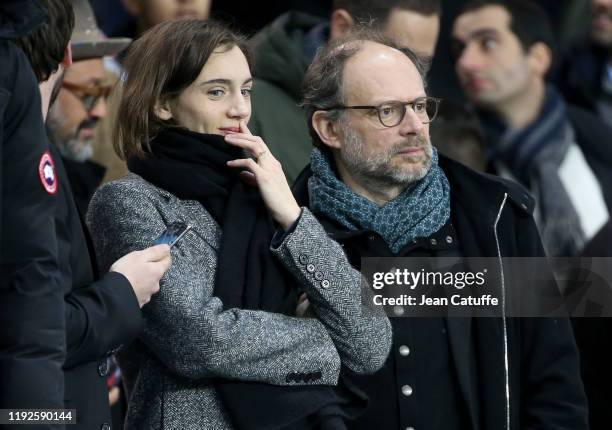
(281, 61)
(527, 369)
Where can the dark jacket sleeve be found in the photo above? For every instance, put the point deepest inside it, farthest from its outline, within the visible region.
(32, 348)
(552, 389)
(100, 317)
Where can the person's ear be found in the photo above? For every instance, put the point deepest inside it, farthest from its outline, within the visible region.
(326, 129)
(162, 110)
(67, 60)
(540, 58)
(340, 23)
(133, 7)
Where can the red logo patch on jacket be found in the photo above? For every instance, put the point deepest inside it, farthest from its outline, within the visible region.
(46, 172)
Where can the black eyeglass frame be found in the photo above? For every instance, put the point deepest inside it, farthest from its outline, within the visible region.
(436, 100)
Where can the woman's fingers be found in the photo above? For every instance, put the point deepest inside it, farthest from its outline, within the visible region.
(245, 142)
(256, 147)
(246, 163)
(244, 128)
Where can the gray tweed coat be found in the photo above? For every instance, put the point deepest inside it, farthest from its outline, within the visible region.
(188, 338)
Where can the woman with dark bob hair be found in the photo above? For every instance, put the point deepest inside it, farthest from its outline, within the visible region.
(222, 345)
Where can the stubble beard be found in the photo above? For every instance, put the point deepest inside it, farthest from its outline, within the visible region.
(71, 147)
(377, 171)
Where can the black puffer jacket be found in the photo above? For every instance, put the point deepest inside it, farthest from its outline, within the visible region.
(32, 346)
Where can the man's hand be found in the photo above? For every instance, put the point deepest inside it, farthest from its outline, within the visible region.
(144, 269)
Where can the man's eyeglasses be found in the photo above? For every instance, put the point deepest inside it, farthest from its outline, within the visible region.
(88, 94)
(392, 113)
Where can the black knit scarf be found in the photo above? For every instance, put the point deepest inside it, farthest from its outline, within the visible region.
(193, 166)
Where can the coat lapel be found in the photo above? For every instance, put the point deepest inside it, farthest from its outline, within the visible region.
(193, 213)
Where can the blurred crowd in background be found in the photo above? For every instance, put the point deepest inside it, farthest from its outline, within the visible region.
(531, 101)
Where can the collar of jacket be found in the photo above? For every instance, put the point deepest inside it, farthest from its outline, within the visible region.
(20, 17)
(279, 49)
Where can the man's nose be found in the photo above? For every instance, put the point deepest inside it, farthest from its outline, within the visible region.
(99, 109)
(411, 123)
(468, 60)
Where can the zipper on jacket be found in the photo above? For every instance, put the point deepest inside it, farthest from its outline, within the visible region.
(503, 288)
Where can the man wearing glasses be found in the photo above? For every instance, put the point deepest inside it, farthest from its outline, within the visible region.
(80, 104)
(381, 190)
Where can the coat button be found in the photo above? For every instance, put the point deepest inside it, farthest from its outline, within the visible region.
(404, 351)
(398, 310)
(310, 268)
(434, 242)
(449, 239)
(303, 258)
(407, 390)
(103, 368)
(325, 283)
(410, 428)
(318, 276)
(105, 426)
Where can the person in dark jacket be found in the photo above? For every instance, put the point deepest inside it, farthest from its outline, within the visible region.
(379, 188)
(560, 152)
(101, 312)
(81, 104)
(32, 349)
(585, 75)
(285, 48)
(503, 53)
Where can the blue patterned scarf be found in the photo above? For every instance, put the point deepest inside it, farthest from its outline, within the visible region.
(419, 211)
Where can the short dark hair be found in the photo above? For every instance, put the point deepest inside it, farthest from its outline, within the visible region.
(45, 46)
(158, 66)
(377, 12)
(323, 82)
(528, 21)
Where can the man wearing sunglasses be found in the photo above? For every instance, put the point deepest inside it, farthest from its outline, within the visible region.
(380, 189)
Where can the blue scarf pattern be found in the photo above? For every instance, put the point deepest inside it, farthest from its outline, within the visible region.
(419, 211)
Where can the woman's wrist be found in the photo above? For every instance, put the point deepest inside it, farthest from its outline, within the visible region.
(287, 219)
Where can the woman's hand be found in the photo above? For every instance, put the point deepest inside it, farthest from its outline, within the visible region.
(267, 173)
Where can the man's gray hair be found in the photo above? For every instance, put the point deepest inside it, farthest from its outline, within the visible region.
(323, 83)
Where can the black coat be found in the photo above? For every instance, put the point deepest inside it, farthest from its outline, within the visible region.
(594, 335)
(544, 380)
(100, 315)
(579, 77)
(593, 136)
(32, 346)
